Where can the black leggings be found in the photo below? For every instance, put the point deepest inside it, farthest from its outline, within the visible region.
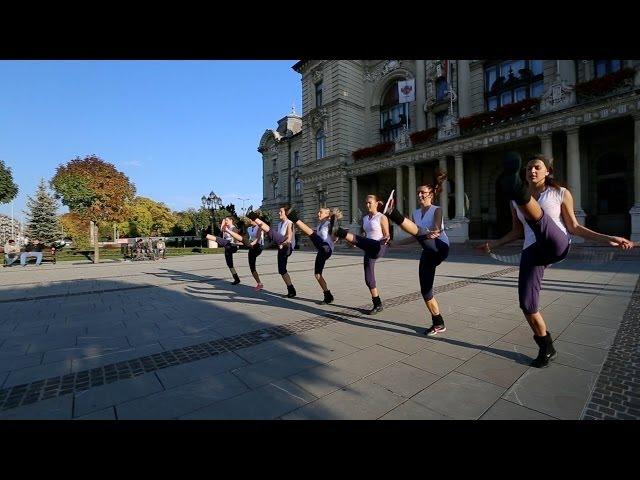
(283, 256)
(254, 252)
(324, 252)
(434, 252)
(229, 250)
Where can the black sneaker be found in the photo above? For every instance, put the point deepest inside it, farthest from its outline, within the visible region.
(376, 309)
(252, 215)
(328, 298)
(293, 216)
(292, 292)
(546, 352)
(510, 182)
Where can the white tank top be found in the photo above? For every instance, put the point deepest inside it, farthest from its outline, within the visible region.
(372, 226)
(550, 201)
(323, 232)
(226, 236)
(254, 232)
(426, 221)
(282, 230)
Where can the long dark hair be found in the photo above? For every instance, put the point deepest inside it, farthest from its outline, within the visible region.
(549, 180)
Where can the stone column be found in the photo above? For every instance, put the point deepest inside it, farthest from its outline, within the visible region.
(444, 194)
(460, 231)
(411, 194)
(421, 121)
(635, 210)
(354, 200)
(573, 175)
(546, 145)
(399, 193)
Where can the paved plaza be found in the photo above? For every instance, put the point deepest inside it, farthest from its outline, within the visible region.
(174, 340)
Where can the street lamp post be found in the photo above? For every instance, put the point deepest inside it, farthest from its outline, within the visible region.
(243, 200)
(211, 203)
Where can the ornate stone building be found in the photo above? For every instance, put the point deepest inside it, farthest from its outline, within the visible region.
(354, 138)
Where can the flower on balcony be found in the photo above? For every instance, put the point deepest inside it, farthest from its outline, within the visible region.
(423, 135)
(502, 114)
(378, 149)
(606, 84)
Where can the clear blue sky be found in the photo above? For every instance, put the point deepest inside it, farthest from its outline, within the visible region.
(177, 129)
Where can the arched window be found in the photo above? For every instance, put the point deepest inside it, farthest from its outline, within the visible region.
(320, 152)
(393, 115)
(298, 187)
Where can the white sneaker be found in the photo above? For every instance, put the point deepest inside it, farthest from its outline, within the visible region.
(389, 205)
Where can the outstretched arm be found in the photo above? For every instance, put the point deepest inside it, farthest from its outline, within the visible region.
(516, 232)
(574, 227)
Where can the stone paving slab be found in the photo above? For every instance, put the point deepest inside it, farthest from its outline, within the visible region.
(505, 410)
(106, 414)
(52, 409)
(189, 300)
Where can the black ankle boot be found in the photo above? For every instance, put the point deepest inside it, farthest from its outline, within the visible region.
(377, 306)
(510, 182)
(396, 217)
(546, 352)
(236, 279)
(437, 326)
(341, 232)
(328, 298)
(291, 290)
(293, 216)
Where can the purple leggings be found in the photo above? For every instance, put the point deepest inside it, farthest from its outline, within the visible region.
(434, 252)
(229, 250)
(373, 249)
(552, 245)
(324, 252)
(254, 252)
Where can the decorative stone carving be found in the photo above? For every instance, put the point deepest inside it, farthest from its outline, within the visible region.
(381, 70)
(319, 118)
(559, 95)
(403, 141)
(274, 178)
(317, 74)
(449, 128)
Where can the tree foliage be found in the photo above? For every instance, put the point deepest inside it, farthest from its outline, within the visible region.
(42, 220)
(8, 189)
(94, 189)
(77, 229)
(147, 217)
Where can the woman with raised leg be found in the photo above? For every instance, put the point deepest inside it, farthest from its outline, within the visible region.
(427, 227)
(285, 238)
(543, 210)
(376, 228)
(322, 238)
(255, 244)
(227, 242)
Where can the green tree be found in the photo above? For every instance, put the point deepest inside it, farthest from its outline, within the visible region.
(8, 189)
(42, 220)
(77, 229)
(95, 190)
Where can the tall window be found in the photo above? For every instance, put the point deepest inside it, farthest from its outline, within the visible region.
(275, 190)
(440, 118)
(512, 81)
(274, 165)
(318, 94)
(296, 158)
(393, 115)
(320, 144)
(298, 187)
(605, 67)
(441, 89)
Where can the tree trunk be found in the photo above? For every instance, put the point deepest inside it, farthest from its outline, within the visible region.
(96, 247)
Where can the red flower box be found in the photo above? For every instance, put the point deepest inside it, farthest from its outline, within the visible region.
(603, 85)
(378, 149)
(423, 135)
(504, 113)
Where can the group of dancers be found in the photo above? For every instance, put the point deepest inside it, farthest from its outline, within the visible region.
(542, 211)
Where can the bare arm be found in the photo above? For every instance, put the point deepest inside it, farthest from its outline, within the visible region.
(574, 227)
(384, 225)
(516, 232)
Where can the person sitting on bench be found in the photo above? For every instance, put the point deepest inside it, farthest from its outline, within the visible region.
(33, 249)
(11, 252)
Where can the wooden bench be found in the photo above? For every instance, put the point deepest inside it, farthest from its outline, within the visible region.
(48, 255)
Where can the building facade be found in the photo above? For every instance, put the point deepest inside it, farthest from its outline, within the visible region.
(355, 138)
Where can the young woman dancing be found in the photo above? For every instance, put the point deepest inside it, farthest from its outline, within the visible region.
(376, 228)
(285, 238)
(544, 211)
(322, 238)
(427, 227)
(227, 242)
(255, 243)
